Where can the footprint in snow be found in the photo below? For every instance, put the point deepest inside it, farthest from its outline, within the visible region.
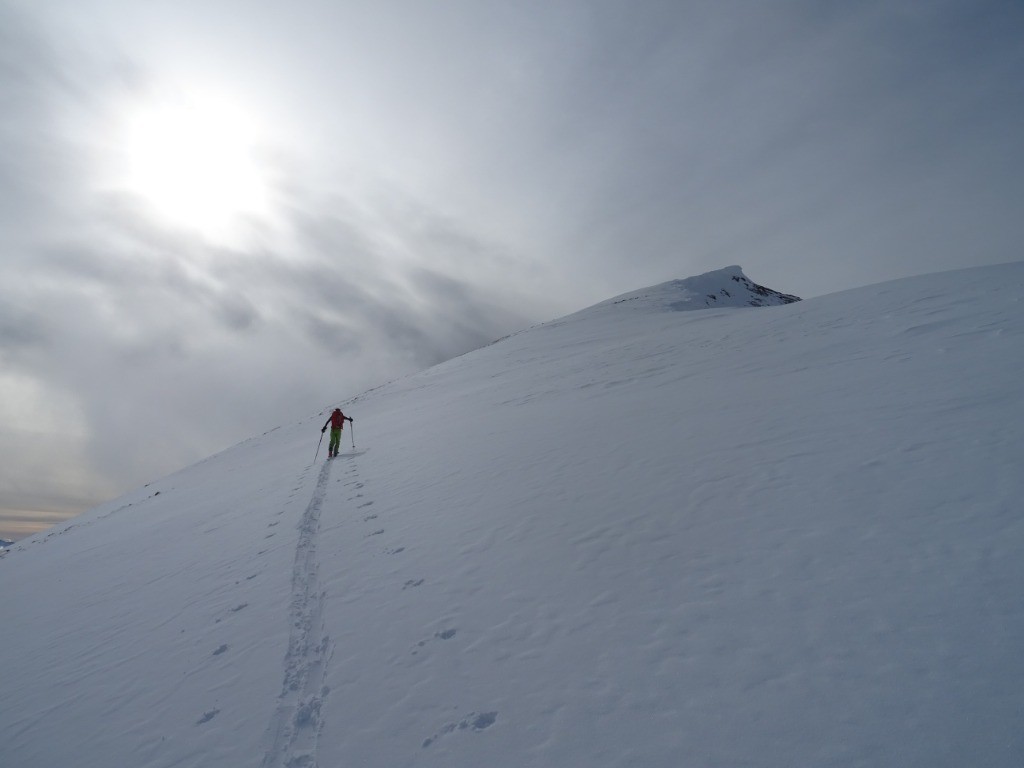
(207, 716)
(472, 722)
(411, 583)
(446, 634)
(220, 650)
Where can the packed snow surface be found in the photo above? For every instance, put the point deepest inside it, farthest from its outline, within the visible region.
(778, 536)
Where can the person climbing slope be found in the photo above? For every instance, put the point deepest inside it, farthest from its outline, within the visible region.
(337, 421)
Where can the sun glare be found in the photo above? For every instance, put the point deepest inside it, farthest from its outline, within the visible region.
(194, 165)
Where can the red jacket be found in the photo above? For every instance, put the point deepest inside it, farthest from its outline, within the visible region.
(337, 420)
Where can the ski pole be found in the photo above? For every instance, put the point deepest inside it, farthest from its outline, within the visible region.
(351, 433)
(318, 446)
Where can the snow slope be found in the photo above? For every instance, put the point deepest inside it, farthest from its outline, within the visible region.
(782, 536)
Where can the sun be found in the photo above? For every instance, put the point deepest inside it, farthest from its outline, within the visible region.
(194, 163)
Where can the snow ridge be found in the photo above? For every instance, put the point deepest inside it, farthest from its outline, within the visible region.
(637, 537)
(295, 726)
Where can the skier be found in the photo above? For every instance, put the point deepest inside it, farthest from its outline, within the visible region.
(337, 421)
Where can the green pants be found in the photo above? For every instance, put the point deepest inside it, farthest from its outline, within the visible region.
(332, 447)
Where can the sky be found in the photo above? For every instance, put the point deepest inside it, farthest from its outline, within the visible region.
(219, 217)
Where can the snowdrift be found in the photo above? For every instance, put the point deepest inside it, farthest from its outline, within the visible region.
(635, 536)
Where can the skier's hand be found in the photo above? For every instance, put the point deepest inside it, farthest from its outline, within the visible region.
(350, 418)
(322, 430)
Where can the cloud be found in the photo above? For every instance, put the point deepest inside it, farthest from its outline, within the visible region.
(129, 314)
(132, 347)
(29, 76)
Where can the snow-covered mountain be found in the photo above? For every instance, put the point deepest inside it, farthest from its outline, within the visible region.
(722, 288)
(778, 536)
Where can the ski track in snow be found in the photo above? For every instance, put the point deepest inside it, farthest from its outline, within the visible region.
(296, 724)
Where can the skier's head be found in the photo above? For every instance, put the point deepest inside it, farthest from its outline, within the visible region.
(337, 410)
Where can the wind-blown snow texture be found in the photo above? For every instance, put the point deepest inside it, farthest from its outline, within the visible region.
(783, 536)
